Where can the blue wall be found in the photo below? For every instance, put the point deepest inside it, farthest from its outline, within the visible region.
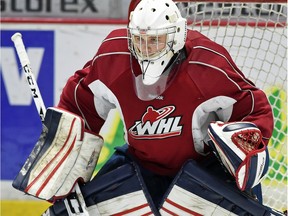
(20, 123)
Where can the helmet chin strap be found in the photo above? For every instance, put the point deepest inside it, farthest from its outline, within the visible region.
(175, 60)
(153, 69)
(144, 69)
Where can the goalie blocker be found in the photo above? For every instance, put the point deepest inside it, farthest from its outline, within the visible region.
(64, 154)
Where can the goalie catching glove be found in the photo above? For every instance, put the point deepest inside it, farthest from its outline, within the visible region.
(239, 147)
(64, 154)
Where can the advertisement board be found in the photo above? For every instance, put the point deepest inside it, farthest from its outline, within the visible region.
(65, 8)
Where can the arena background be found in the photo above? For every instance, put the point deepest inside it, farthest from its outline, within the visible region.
(60, 38)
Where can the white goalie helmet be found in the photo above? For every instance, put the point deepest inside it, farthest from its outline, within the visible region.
(156, 32)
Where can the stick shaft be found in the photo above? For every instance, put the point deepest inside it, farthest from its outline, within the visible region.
(25, 63)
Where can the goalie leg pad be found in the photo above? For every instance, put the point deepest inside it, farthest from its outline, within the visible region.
(64, 153)
(197, 192)
(118, 192)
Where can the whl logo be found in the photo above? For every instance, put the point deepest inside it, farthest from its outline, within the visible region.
(156, 124)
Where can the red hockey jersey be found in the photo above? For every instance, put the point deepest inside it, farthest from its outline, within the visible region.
(165, 132)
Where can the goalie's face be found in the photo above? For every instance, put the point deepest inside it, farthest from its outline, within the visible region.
(148, 47)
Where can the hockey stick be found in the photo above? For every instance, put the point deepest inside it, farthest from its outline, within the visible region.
(38, 100)
(25, 63)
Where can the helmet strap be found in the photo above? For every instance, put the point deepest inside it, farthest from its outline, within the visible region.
(175, 60)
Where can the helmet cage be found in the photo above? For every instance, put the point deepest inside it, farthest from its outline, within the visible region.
(140, 46)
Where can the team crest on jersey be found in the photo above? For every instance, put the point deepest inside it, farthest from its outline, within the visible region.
(157, 124)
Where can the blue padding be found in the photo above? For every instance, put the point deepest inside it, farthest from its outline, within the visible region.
(196, 180)
(252, 167)
(122, 180)
(266, 162)
(230, 154)
(237, 126)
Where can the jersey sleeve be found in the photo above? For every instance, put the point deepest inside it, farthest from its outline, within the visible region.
(77, 97)
(218, 78)
(88, 92)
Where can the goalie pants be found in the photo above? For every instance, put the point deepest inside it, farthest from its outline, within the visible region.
(157, 185)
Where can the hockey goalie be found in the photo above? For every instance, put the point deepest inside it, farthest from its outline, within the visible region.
(196, 128)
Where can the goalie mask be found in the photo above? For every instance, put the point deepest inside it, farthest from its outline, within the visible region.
(156, 33)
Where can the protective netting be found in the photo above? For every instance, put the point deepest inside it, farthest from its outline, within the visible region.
(256, 36)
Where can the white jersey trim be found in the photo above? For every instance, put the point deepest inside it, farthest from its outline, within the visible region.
(217, 108)
(109, 53)
(116, 38)
(105, 100)
(77, 104)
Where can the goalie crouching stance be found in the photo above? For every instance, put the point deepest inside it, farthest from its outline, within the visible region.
(63, 156)
(172, 86)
